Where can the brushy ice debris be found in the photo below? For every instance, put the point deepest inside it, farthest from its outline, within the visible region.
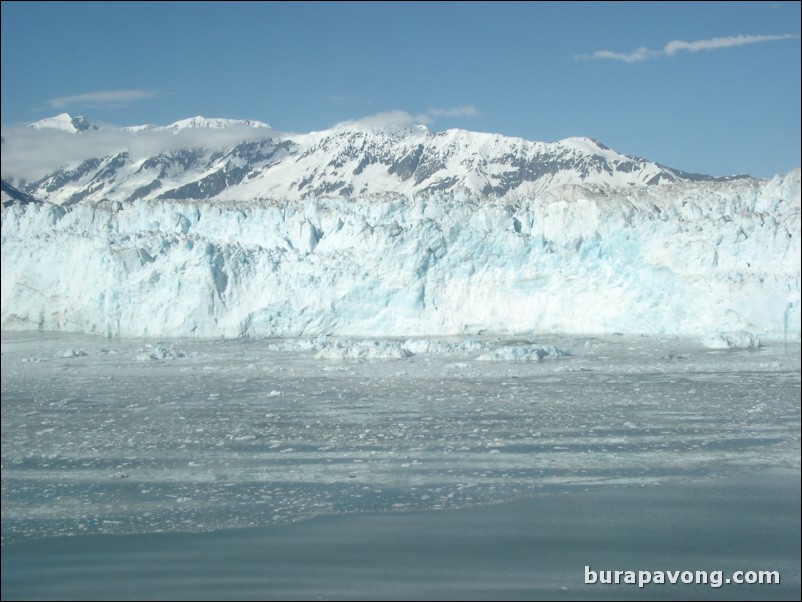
(159, 352)
(443, 346)
(353, 349)
(326, 347)
(65, 353)
(739, 339)
(523, 353)
(312, 345)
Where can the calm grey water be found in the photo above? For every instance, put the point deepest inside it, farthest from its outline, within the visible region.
(150, 441)
(532, 549)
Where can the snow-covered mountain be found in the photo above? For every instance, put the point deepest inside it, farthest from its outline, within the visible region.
(10, 195)
(66, 123)
(214, 123)
(200, 122)
(393, 231)
(344, 162)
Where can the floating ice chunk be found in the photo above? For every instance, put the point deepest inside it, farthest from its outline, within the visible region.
(34, 358)
(159, 352)
(739, 339)
(441, 346)
(70, 353)
(419, 345)
(523, 353)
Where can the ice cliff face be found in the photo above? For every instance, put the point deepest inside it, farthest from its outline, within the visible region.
(398, 232)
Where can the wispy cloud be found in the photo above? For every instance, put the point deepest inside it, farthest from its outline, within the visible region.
(675, 46)
(103, 99)
(388, 119)
(30, 153)
(463, 111)
(641, 54)
(405, 119)
(715, 43)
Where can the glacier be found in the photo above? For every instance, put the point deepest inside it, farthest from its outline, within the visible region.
(210, 246)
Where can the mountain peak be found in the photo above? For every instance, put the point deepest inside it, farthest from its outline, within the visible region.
(199, 121)
(585, 144)
(65, 122)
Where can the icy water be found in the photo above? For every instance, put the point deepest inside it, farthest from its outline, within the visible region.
(138, 437)
(133, 436)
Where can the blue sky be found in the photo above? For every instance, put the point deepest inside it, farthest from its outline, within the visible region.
(708, 87)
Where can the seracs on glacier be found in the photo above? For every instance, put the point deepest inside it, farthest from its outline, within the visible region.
(396, 233)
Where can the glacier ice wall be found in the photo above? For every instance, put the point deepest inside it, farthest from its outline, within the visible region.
(685, 259)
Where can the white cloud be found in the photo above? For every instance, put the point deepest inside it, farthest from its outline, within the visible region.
(463, 111)
(30, 153)
(388, 119)
(405, 119)
(641, 54)
(715, 43)
(674, 46)
(105, 98)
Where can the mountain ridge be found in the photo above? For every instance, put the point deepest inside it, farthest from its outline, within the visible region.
(347, 160)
